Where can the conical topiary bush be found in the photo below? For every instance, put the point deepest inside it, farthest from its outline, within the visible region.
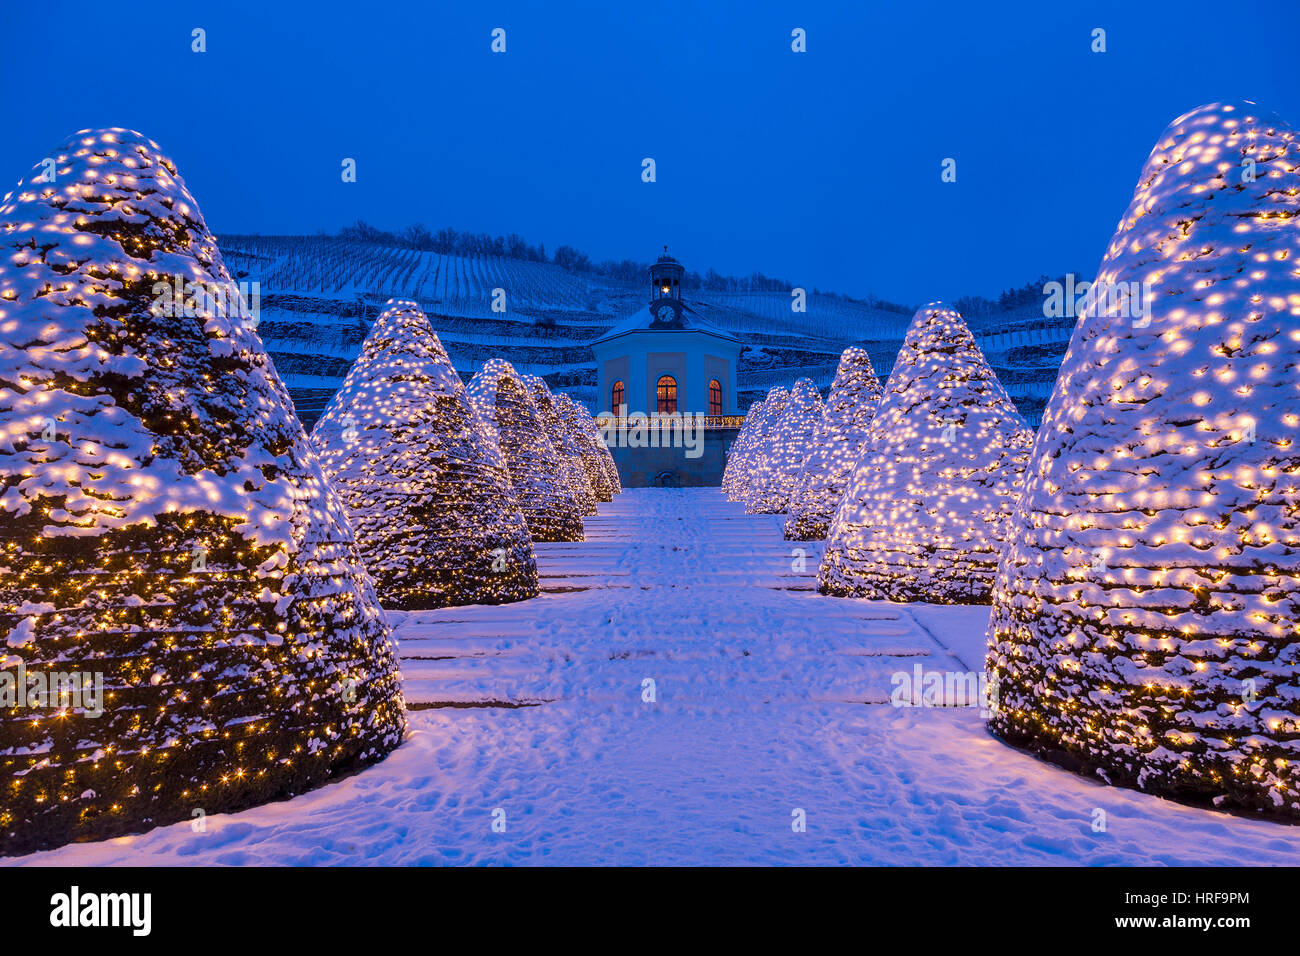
(575, 478)
(593, 465)
(611, 467)
(536, 475)
(1145, 615)
(837, 446)
(732, 471)
(924, 515)
(791, 444)
(606, 456)
(167, 531)
(436, 520)
(755, 455)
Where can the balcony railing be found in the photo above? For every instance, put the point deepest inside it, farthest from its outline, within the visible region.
(663, 420)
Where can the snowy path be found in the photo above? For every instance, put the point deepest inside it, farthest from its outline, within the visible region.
(769, 698)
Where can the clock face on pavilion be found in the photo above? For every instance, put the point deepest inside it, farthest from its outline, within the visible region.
(665, 313)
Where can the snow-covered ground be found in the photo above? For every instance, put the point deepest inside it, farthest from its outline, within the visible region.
(770, 698)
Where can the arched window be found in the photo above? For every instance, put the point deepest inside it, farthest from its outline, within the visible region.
(618, 397)
(666, 393)
(715, 397)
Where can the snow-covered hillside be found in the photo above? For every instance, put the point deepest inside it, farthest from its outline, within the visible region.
(320, 294)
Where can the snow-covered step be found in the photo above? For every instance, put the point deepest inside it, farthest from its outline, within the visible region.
(675, 586)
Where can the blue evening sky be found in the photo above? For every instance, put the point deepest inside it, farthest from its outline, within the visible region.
(822, 168)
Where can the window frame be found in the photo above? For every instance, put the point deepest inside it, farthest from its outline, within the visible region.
(666, 395)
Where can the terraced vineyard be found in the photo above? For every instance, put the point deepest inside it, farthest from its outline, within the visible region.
(319, 295)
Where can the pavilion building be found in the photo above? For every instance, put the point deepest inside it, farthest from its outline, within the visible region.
(666, 362)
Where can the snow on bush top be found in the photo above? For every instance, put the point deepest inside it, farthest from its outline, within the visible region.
(837, 445)
(536, 474)
(922, 518)
(426, 488)
(788, 450)
(90, 258)
(1145, 611)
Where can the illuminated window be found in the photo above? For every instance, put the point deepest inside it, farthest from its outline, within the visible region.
(715, 397)
(667, 394)
(617, 396)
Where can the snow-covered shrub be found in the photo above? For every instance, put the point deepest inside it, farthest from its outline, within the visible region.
(536, 474)
(607, 456)
(837, 445)
(1145, 613)
(428, 495)
(923, 517)
(593, 464)
(575, 477)
(165, 524)
(788, 450)
(732, 471)
(752, 457)
(588, 424)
